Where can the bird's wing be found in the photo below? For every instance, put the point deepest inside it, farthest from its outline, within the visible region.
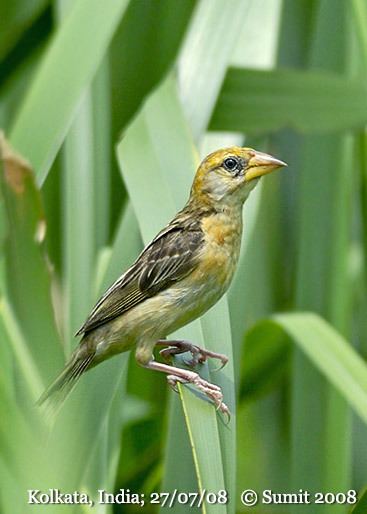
(172, 255)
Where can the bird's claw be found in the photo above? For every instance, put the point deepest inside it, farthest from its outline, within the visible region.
(211, 391)
(173, 380)
(199, 355)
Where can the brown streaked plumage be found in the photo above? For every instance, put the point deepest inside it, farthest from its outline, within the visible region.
(178, 276)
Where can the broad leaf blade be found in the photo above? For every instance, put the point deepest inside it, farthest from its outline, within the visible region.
(259, 102)
(361, 507)
(28, 276)
(78, 430)
(66, 70)
(204, 58)
(328, 352)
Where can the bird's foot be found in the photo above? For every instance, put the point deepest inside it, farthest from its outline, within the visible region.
(185, 376)
(199, 355)
(211, 391)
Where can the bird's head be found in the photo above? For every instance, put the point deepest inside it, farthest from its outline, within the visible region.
(228, 175)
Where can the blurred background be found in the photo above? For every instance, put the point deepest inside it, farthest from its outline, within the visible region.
(113, 104)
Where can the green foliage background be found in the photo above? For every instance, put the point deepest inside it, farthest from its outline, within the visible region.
(113, 104)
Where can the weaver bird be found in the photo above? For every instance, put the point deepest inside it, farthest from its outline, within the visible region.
(178, 276)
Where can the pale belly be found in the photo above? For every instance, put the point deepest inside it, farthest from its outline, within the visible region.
(187, 302)
(159, 316)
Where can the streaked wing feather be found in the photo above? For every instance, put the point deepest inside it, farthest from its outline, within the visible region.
(168, 258)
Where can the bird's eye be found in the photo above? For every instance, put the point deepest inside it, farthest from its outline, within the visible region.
(230, 163)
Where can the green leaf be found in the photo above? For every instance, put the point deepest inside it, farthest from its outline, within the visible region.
(139, 59)
(50, 107)
(266, 361)
(78, 194)
(83, 419)
(202, 436)
(359, 12)
(28, 277)
(259, 102)
(101, 105)
(361, 507)
(322, 284)
(178, 457)
(15, 18)
(17, 343)
(328, 352)
(205, 54)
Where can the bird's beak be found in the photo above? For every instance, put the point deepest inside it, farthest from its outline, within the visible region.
(261, 164)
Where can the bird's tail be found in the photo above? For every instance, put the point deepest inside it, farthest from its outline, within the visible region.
(55, 395)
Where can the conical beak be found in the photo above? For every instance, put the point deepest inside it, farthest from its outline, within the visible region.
(261, 164)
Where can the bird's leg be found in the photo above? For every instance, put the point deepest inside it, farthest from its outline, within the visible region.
(199, 355)
(185, 376)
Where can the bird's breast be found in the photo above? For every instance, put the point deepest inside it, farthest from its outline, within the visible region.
(222, 241)
(201, 289)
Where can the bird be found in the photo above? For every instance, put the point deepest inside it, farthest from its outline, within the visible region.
(178, 276)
